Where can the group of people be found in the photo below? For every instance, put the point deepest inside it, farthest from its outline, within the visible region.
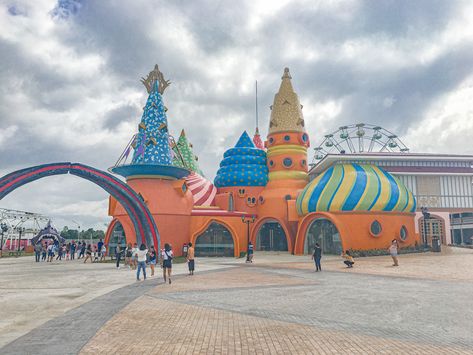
(348, 259)
(53, 250)
(138, 258)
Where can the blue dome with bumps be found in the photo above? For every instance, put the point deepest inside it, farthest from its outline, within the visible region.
(243, 165)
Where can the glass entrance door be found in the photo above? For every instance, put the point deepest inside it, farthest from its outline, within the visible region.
(271, 237)
(325, 233)
(117, 237)
(215, 241)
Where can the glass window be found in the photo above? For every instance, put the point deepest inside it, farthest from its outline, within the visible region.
(403, 233)
(287, 138)
(375, 228)
(287, 162)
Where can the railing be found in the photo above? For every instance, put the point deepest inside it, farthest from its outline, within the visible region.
(462, 220)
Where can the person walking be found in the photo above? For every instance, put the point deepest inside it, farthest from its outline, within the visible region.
(152, 260)
(190, 259)
(82, 250)
(128, 255)
(167, 261)
(50, 252)
(99, 248)
(349, 261)
(103, 252)
(249, 258)
(37, 251)
(44, 251)
(73, 250)
(68, 251)
(134, 262)
(393, 251)
(59, 252)
(118, 255)
(88, 254)
(317, 255)
(140, 257)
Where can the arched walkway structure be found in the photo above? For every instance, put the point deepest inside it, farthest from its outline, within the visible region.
(143, 222)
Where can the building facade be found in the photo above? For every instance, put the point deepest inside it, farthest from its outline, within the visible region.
(442, 183)
(261, 193)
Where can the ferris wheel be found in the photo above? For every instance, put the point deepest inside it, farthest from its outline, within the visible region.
(359, 138)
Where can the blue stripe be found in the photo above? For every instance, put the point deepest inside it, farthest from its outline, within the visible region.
(394, 192)
(415, 204)
(318, 190)
(336, 190)
(377, 193)
(357, 189)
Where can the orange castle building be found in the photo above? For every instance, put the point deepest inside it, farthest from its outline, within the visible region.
(262, 194)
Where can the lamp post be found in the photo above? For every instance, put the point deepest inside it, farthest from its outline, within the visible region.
(20, 230)
(4, 228)
(426, 214)
(247, 220)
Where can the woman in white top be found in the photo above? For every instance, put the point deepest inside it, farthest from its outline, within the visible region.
(167, 261)
(393, 250)
(140, 257)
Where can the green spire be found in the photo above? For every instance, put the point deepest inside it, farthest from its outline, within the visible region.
(184, 156)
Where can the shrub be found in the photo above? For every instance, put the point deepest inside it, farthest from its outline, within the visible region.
(379, 252)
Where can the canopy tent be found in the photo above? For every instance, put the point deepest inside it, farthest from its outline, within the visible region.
(48, 232)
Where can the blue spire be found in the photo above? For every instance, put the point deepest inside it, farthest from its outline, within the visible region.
(244, 141)
(243, 165)
(152, 141)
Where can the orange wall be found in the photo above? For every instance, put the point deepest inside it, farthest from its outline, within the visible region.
(243, 197)
(169, 205)
(354, 229)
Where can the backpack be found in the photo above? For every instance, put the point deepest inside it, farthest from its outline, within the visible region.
(169, 256)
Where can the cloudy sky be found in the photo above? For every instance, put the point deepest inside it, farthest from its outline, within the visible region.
(70, 79)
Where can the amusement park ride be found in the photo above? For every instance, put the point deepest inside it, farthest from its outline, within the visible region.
(15, 224)
(358, 138)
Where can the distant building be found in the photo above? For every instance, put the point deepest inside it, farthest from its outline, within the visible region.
(440, 182)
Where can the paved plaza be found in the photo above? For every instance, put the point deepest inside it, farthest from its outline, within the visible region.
(276, 305)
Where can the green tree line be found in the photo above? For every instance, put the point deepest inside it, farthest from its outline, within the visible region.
(90, 233)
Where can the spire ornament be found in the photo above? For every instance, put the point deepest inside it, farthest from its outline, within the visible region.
(155, 76)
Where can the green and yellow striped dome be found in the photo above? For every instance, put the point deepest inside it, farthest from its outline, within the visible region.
(353, 187)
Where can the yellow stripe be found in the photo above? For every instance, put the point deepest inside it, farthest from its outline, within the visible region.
(330, 187)
(281, 175)
(385, 193)
(411, 202)
(401, 201)
(348, 181)
(285, 149)
(311, 187)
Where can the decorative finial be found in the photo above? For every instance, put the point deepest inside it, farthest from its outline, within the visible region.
(286, 74)
(183, 133)
(153, 76)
